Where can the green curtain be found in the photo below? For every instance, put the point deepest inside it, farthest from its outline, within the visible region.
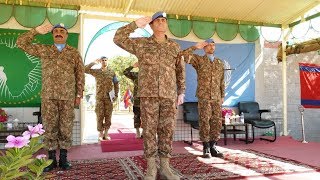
(33, 16)
(5, 12)
(248, 32)
(179, 28)
(227, 31)
(20, 73)
(66, 16)
(30, 16)
(203, 29)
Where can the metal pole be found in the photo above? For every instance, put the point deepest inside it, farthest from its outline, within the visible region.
(285, 34)
(301, 109)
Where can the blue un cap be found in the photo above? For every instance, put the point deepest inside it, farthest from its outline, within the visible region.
(61, 25)
(209, 41)
(158, 15)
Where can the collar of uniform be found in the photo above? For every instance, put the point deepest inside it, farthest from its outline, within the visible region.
(67, 47)
(155, 40)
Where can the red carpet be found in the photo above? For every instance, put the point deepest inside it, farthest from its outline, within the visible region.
(236, 164)
(122, 142)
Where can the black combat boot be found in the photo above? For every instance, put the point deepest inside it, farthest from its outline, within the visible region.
(52, 156)
(214, 151)
(63, 162)
(206, 150)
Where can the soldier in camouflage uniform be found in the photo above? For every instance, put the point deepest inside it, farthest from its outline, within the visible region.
(106, 80)
(161, 79)
(210, 94)
(62, 88)
(136, 100)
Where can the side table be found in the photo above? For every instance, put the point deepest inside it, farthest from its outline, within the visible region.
(235, 130)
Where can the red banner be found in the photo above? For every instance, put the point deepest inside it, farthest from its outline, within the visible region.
(310, 85)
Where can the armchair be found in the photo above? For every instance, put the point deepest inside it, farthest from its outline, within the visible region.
(252, 115)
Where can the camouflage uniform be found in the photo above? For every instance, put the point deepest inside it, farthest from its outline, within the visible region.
(136, 101)
(210, 91)
(104, 84)
(160, 73)
(62, 81)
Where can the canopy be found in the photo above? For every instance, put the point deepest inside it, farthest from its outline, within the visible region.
(270, 12)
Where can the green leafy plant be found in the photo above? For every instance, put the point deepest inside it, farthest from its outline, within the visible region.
(119, 64)
(19, 160)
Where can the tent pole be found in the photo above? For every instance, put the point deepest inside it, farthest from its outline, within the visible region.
(285, 33)
(82, 105)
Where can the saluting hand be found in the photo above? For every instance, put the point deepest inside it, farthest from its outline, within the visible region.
(136, 64)
(201, 45)
(142, 22)
(44, 29)
(97, 61)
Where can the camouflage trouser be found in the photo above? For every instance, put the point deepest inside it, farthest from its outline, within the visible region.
(210, 120)
(136, 117)
(103, 111)
(57, 118)
(158, 117)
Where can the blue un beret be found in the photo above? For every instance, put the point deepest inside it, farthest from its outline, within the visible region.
(104, 58)
(158, 14)
(209, 41)
(61, 25)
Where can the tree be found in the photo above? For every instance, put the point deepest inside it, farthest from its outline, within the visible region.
(119, 64)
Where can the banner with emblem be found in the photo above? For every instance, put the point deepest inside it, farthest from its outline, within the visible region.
(309, 84)
(20, 73)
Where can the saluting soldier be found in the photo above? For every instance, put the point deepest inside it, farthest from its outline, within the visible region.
(133, 75)
(210, 93)
(161, 79)
(106, 81)
(62, 88)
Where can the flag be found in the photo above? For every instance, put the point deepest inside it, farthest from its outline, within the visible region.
(310, 83)
(127, 98)
(20, 73)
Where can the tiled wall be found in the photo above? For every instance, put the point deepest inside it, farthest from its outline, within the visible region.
(76, 133)
(269, 94)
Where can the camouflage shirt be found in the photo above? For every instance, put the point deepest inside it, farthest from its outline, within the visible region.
(134, 77)
(104, 81)
(161, 72)
(62, 72)
(210, 75)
